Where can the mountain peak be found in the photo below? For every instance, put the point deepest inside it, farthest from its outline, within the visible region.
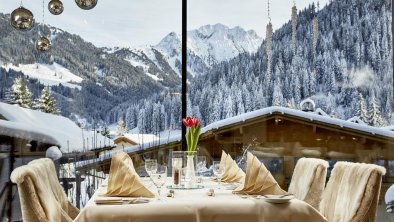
(170, 44)
(218, 42)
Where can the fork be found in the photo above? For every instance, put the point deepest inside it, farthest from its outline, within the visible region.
(285, 195)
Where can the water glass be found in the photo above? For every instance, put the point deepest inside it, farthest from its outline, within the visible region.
(218, 171)
(159, 178)
(201, 166)
(150, 166)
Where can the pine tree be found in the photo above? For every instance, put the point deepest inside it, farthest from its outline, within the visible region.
(374, 117)
(47, 103)
(277, 98)
(20, 94)
(228, 108)
(361, 109)
(122, 128)
(105, 131)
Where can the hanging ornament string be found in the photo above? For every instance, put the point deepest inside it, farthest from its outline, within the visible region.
(43, 13)
(315, 32)
(268, 38)
(269, 16)
(43, 44)
(294, 27)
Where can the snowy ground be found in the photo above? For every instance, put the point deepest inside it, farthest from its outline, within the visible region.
(48, 74)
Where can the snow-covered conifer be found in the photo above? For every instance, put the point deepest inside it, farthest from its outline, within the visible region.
(47, 103)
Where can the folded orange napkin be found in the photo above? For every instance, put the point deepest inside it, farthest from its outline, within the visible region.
(123, 179)
(258, 179)
(108, 200)
(232, 172)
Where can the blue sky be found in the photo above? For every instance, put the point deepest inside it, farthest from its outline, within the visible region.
(142, 22)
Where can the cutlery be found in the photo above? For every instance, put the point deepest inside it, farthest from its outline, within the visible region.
(138, 201)
(285, 195)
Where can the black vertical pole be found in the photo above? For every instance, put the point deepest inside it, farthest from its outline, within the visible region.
(78, 189)
(184, 69)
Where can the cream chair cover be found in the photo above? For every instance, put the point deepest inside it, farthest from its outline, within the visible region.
(123, 179)
(309, 179)
(38, 202)
(232, 171)
(258, 179)
(352, 192)
(57, 189)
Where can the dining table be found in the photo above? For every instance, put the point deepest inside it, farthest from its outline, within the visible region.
(196, 205)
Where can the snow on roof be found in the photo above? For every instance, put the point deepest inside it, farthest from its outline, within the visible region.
(391, 128)
(255, 114)
(140, 138)
(35, 125)
(321, 112)
(306, 115)
(308, 100)
(131, 149)
(356, 119)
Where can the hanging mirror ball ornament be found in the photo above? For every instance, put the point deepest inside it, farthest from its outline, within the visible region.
(22, 19)
(43, 44)
(55, 7)
(86, 4)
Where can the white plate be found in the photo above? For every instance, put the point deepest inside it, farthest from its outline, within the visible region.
(277, 198)
(229, 186)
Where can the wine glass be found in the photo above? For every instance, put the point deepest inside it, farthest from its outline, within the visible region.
(150, 166)
(218, 171)
(201, 166)
(159, 178)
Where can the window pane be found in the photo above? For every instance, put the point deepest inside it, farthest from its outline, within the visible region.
(110, 83)
(319, 85)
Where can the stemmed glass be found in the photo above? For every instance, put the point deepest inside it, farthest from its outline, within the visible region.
(159, 178)
(150, 166)
(201, 166)
(218, 171)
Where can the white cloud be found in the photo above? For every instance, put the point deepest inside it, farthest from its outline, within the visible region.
(361, 78)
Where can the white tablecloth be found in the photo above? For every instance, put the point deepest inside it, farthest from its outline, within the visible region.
(197, 206)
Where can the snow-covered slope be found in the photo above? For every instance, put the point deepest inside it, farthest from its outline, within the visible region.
(207, 46)
(48, 74)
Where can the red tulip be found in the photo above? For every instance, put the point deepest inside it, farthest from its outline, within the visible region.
(193, 133)
(196, 122)
(191, 122)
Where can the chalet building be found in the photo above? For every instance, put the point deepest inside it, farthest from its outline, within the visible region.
(30, 132)
(130, 139)
(26, 134)
(279, 136)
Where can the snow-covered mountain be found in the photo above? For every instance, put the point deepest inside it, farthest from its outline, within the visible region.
(207, 46)
(217, 43)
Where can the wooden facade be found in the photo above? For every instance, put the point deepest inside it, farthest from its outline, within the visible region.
(279, 139)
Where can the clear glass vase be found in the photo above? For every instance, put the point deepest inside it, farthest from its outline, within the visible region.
(190, 174)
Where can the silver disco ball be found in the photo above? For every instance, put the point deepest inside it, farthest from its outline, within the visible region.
(22, 19)
(43, 44)
(86, 4)
(55, 7)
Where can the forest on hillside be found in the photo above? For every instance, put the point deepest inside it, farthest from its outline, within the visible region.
(341, 57)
